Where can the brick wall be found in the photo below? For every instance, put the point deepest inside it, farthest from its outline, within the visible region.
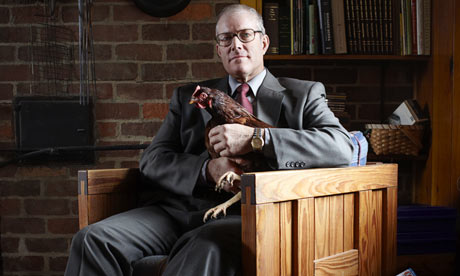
(140, 60)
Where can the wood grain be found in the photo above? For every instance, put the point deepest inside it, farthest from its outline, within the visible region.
(364, 207)
(348, 221)
(285, 238)
(289, 185)
(268, 240)
(375, 232)
(248, 234)
(389, 219)
(303, 237)
(345, 263)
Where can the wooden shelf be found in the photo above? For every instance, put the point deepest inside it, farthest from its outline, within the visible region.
(348, 57)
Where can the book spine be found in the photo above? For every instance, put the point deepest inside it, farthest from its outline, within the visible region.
(420, 27)
(325, 23)
(357, 16)
(426, 27)
(284, 28)
(306, 27)
(408, 29)
(413, 9)
(313, 24)
(271, 23)
(349, 27)
(338, 27)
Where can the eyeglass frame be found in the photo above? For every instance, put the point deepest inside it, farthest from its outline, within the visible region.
(237, 35)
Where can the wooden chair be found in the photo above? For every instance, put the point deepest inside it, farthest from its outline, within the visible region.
(333, 221)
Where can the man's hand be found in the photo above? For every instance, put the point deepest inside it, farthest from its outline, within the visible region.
(231, 139)
(218, 167)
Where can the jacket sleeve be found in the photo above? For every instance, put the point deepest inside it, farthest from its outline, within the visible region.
(313, 137)
(173, 160)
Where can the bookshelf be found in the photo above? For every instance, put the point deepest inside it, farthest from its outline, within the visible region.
(347, 57)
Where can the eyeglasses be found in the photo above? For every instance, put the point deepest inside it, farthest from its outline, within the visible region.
(245, 36)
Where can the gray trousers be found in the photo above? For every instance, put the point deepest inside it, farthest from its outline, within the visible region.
(112, 246)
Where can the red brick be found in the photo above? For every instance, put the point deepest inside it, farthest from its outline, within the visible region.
(148, 129)
(116, 71)
(115, 33)
(30, 263)
(98, 13)
(361, 94)
(164, 72)
(63, 225)
(398, 94)
(4, 15)
(14, 34)
(149, 52)
(46, 206)
(74, 203)
(106, 129)
(58, 263)
(38, 171)
(207, 70)
(102, 52)
(190, 51)
(16, 72)
(399, 74)
(7, 53)
(6, 130)
(60, 188)
(9, 245)
(41, 245)
(296, 72)
(117, 111)
(155, 110)
(27, 14)
(129, 164)
(336, 75)
(24, 53)
(23, 225)
(10, 170)
(6, 92)
(140, 91)
(369, 112)
(10, 207)
(204, 31)
(165, 32)
(220, 7)
(20, 188)
(194, 12)
(369, 74)
(130, 13)
(170, 88)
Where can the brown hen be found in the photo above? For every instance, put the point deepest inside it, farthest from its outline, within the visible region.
(225, 110)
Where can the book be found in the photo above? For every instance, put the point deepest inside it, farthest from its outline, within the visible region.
(419, 7)
(413, 14)
(426, 27)
(271, 23)
(349, 27)
(313, 29)
(325, 26)
(407, 113)
(338, 26)
(284, 27)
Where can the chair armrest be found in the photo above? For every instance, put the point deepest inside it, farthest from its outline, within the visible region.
(104, 192)
(276, 186)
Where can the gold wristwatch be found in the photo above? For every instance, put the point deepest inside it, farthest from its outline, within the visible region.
(257, 141)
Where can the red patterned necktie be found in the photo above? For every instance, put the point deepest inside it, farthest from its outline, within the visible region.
(242, 97)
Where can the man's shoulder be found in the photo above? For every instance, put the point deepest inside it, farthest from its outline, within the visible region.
(292, 83)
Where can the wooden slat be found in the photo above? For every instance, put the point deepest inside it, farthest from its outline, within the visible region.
(248, 234)
(290, 185)
(363, 239)
(375, 232)
(348, 221)
(345, 263)
(286, 238)
(322, 227)
(389, 219)
(268, 240)
(303, 237)
(112, 180)
(82, 199)
(336, 224)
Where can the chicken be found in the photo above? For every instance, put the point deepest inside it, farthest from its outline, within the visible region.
(225, 110)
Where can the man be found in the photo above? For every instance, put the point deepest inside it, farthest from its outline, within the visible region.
(177, 167)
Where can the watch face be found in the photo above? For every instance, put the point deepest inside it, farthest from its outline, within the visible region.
(257, 143)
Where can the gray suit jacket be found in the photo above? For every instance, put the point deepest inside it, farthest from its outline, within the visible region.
(308, 134)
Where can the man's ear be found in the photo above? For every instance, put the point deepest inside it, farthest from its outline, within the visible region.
(217, 49)
(265, 43)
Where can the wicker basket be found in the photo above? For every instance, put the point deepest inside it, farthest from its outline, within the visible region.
(395, 139)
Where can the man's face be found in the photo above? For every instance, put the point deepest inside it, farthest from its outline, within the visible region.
(241, 60)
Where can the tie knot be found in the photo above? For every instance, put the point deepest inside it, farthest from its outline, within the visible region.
(243, 89)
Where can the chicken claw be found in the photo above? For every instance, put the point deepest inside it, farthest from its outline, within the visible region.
(226, 179)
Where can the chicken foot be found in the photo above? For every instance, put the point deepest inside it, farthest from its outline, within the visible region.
(227, 179)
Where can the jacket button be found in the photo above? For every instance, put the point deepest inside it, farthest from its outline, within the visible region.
(287, 164)
(302, 164)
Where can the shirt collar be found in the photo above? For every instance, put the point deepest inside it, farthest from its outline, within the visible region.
(254, 83)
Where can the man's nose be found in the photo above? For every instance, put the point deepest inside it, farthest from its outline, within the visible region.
(236, 43)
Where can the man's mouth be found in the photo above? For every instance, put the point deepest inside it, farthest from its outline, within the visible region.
(237, 57)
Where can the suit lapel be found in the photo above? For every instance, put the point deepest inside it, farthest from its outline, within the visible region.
(269, 100)
(221, 85)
